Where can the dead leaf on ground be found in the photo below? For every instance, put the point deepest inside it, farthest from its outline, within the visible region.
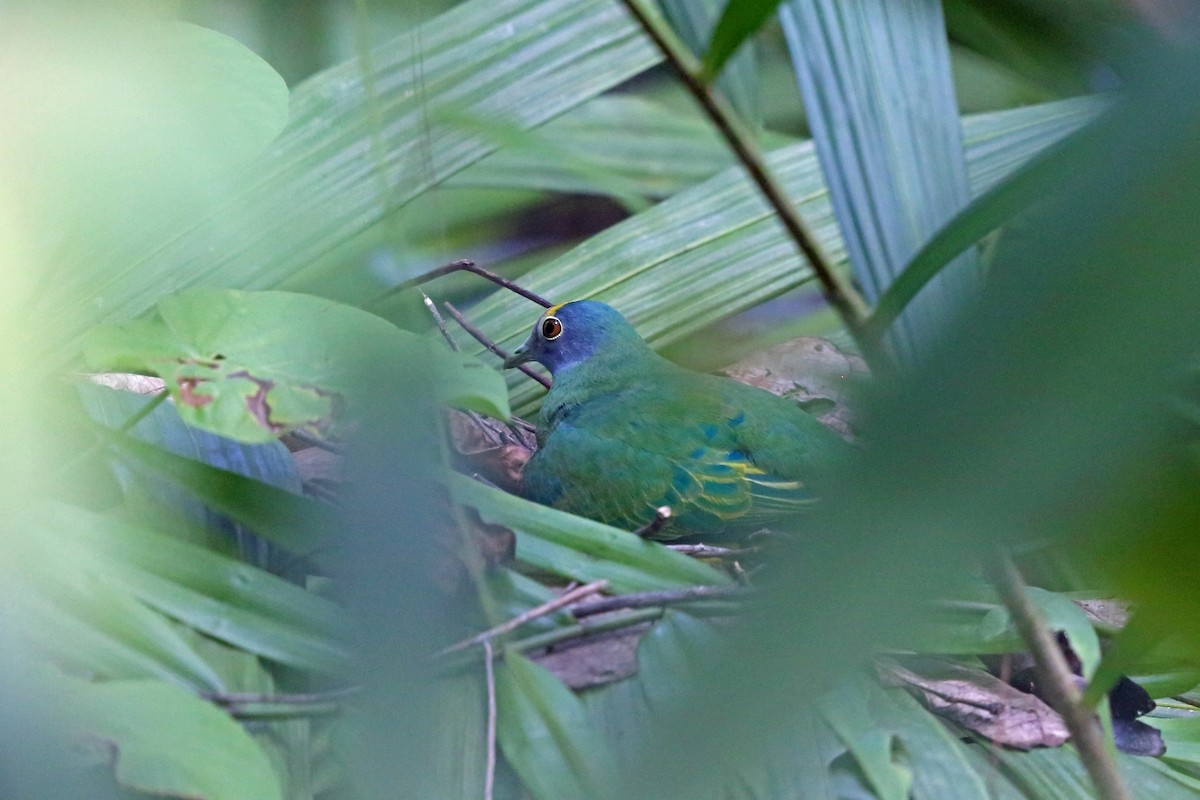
(979, 702)
(490, 448)
(596, 660)
(814, 373)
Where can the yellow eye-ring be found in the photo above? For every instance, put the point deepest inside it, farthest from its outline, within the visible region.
(552, 328)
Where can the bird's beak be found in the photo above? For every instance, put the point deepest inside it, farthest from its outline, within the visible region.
(519, 356)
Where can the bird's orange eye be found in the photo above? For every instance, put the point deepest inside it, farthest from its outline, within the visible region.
(551, 328)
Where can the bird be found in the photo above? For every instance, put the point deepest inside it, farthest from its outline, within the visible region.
(623, 432)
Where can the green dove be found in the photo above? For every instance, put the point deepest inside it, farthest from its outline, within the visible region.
(624, 431)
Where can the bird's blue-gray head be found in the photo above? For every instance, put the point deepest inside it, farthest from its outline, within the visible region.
(572, 333)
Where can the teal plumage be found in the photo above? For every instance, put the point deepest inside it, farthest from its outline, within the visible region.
(624, 431)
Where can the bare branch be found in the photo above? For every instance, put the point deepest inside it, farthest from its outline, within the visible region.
(1057, 683)
(838, 292)
(492, 347)
(464, 265)
(655, 599)
(565, 599)
(489, 671)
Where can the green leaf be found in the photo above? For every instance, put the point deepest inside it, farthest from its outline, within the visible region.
(876, 83)
(361, 143)
(106, 634)
(296, 523)
(256, 365)
(871, 745)
(547, 734)
(224, 598)
(166, 741)
(634, 143)
(683, 264)
(984, 214)
(699, 22)
(1181, 736)
(1063, 614)
(580, 548)
(740, 20)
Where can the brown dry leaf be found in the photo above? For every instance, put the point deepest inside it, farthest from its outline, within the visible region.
(979, 702)
(128, 382)
(597, 660)
(1108, 612)
(814, 373)
(491, 448)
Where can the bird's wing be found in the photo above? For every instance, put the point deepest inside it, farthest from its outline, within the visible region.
(620, 475)
(597, 476)
(716, 487)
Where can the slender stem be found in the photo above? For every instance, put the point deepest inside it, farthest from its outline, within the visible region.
(581, 630)
(492, 347)
(246, 705)
(565, 599)
(144, 411)
(463, 266)
(489, 671)
(438, 320)
(838, 292)
(1057, 682)
(711, 551)
(655, 599)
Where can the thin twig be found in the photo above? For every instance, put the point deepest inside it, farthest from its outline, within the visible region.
(839, 293)
(712, 551)
(492, 347)
(303, 698)
(489, 671)
(662, 515)
(144, 411)
(655, 599)
(1057, 683)
(565, 599)
(275, 706)
(464, 265)
(584, 629)
(438, 320)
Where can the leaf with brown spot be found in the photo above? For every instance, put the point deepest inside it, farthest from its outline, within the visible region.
(255, 365)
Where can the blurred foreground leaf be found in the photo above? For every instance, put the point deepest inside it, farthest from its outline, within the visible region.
(256, 365)
(163, 740)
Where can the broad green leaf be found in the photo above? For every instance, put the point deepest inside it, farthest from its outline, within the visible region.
(226, 599)
(256, 365)
(699, 22)
(164, 740)
(297, 523)
(635, 143)
(1061, 613)
(876, 83)
(547, 735)
(740, 20)
(106, 634)
(984, 214)
(686, 262)
(934, 752)
(120, 122)
(1181, 736)
(871, 745)
(582, 549)
(366, 137)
